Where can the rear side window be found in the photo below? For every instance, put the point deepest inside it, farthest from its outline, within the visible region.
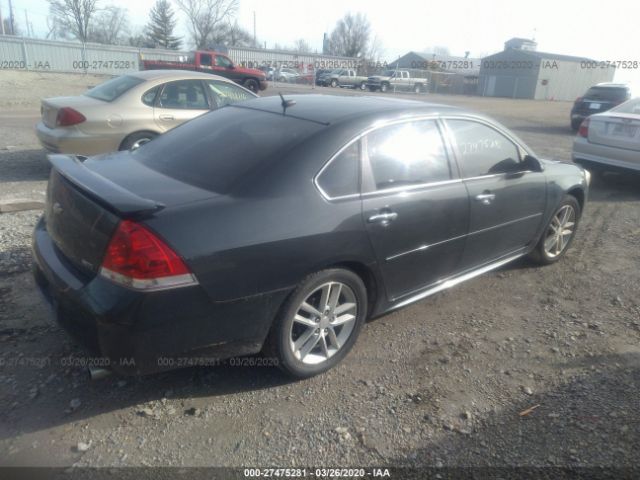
(219, 149)
(184, 94)
(112, 89)
(341, 177)
(149, 97)
(483, 150)
(608, 94)
(407, 154)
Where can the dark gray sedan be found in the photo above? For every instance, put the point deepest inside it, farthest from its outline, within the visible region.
(281, 225)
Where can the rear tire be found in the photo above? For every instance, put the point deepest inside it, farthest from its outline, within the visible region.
(319, 323)
(136, 140)
(334, 83)
(363, 86)
(384, 87)
(559, 233)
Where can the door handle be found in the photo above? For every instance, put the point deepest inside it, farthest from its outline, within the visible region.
(486, 198)
(383, 218)
(166, 117)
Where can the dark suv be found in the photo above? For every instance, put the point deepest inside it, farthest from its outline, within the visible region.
(599, 98)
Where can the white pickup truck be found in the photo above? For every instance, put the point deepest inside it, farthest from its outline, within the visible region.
(399, 80)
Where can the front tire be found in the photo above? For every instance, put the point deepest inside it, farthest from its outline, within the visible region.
(363, 86)
(251, 84)
(384, 87)
(559, 232)
(334, 83)
(319, 323)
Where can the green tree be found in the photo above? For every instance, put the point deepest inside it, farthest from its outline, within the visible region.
(161, 26)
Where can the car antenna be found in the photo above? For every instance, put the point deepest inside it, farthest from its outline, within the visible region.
(286, 103)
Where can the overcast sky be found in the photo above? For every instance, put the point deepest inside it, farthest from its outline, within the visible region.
(582, 28)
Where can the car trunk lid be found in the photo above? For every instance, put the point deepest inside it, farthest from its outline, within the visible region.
(615, 130)
(86, 199)
(50, 106)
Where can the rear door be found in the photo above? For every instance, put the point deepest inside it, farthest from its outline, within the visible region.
(507, 200)
(415, 208)
(179, 102)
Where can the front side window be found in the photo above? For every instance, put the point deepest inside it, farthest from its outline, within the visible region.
(227, 93)
(184, 94)
(483, 150)
(341, 177)
(409, 153)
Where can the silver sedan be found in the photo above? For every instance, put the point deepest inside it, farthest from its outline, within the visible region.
(610, 139)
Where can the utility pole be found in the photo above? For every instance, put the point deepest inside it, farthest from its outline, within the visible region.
(254, 28)
(1, 21)
(11, 22)
(26, 22)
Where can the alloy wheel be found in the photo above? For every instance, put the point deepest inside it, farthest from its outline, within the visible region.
(560, 231)
(323, 323)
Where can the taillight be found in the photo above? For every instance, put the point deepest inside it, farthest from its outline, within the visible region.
(67, 116)
(138, 259)
(583, 131)
(579, 99)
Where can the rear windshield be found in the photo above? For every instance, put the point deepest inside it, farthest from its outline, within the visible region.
(632, 106)
(112, 89)
(610, 94)
(216, 150)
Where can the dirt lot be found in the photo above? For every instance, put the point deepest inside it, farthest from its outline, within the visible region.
(443, 382)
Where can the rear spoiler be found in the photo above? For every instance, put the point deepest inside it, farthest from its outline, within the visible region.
(113, 196)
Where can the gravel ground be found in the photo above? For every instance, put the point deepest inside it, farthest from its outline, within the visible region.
(525, 366)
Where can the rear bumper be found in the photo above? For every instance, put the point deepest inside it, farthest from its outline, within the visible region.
(139, 333)
(72, 140)
(604, 155)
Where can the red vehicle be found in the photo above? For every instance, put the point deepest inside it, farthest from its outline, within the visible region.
(216, 63)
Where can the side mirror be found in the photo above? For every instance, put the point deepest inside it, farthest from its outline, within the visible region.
(231, 67)
(532, 163)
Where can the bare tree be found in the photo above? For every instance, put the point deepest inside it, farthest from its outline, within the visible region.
(350, 37)
(72, 17)
(232, 35)
(10, 29)
(301, 46)
(205, 16)
(111, 26)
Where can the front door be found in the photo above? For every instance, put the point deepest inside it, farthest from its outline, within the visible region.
(507, 199)
(415, 208)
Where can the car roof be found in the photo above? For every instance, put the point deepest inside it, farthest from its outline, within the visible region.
(330, 109)
(611, 85)
(175, 75)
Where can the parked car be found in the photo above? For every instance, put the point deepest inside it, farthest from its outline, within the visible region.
(320, 74)
(398, 80)
(599, 98)
(215, 63)
(268, 71)
(288, 75)
(283, 224)
(611, 139)
(127, 111)
(347, 78)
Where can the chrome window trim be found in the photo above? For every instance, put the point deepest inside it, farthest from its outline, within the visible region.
(375, 126)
